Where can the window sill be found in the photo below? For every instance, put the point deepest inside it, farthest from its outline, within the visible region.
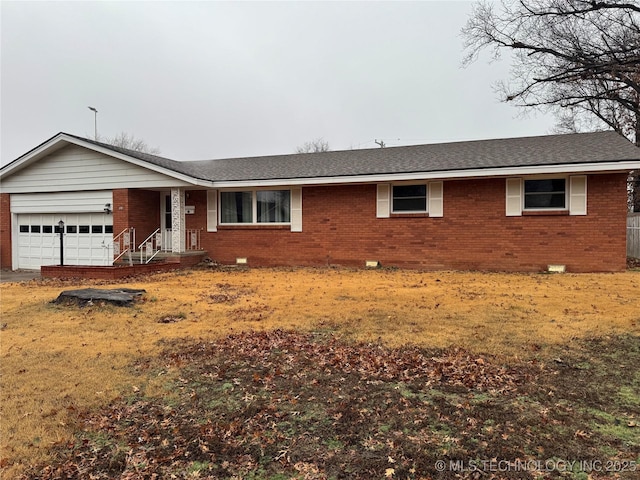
(409, 215)
(254, 226)
(544, 213)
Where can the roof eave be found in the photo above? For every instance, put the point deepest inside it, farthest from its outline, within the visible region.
(601, 167)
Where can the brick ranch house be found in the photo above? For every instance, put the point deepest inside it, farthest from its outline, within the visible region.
(516, 204)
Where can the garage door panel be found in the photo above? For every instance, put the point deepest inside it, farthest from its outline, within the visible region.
(84, 255)
(85, 239)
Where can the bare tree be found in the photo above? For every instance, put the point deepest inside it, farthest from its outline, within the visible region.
(314, 146)
(130, 142)
(579, 59)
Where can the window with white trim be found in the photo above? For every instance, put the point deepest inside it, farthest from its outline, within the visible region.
(545, 194)
(255, 207)
(409, 198)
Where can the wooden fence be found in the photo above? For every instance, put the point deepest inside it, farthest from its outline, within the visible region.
(633, 235)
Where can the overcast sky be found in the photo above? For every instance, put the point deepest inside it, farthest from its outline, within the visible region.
(202, 80)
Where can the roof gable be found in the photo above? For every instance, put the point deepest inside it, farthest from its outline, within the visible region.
(74, 168)
(166, 168)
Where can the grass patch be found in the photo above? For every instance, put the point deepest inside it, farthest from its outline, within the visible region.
(283, 404)
(58, 362)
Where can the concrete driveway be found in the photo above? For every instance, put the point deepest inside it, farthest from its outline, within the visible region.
(18, 275)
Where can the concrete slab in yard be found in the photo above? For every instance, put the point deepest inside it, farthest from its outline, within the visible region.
(123, 297)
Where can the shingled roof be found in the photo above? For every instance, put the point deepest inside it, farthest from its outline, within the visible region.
(510, 156)
(567, 149)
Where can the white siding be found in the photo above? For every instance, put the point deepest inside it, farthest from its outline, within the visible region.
(63, 202)
(77, 168)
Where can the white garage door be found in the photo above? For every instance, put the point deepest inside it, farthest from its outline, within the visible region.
(86, 239)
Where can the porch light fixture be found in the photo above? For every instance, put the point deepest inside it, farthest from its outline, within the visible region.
(107, 208)
(61, 229)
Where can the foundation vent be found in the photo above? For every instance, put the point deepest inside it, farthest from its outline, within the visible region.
(556, 268)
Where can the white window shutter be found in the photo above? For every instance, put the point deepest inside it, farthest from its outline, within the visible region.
(435, 193)
(212, 210)
(578, 195)
(296, 209)
(383, 200)
(514, 197)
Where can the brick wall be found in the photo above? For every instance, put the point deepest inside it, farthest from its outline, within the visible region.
(340, 227)
(105, 273)
(198, 199)
(136, 208)
(120, 210)
(5, 230)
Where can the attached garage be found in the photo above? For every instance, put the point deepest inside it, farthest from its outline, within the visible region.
(88, 229)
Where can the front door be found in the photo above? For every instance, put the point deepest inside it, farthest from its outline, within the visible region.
(166, 221)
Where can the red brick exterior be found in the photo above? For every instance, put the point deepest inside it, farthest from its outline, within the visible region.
(5, 230)
(105, 273)
(136, 208)
(198, 199)
(340, 227)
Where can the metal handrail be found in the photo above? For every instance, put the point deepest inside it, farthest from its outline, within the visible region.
(147, 246)
(124, 243)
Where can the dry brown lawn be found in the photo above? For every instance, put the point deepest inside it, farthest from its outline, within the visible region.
(57, 360)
